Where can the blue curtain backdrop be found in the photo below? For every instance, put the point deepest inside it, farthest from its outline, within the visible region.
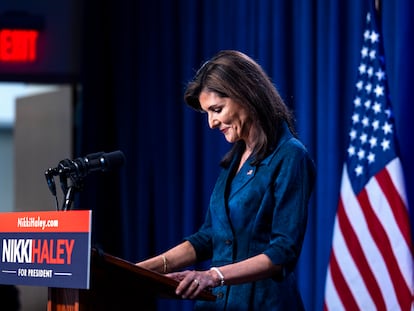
(138, 57)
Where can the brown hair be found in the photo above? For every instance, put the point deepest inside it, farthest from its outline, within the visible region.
(235, 75)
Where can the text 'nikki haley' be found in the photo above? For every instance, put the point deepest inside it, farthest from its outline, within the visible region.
(53, 251)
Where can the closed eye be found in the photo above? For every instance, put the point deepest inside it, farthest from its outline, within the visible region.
(215, 109)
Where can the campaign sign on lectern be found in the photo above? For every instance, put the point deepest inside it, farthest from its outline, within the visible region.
(49, 249)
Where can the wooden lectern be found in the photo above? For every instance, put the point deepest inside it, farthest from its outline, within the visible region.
(116, 284)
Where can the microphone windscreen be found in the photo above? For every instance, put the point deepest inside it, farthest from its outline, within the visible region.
(112, 160)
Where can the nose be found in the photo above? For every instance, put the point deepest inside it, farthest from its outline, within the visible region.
(212, 121)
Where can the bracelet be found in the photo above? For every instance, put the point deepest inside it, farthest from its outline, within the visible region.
(164, 261)
(221, 276)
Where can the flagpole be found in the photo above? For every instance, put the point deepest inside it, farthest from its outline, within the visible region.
(378, 5)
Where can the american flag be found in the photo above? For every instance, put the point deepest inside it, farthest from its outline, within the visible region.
(371, 262)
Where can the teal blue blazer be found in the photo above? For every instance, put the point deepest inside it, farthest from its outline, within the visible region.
(269, 204)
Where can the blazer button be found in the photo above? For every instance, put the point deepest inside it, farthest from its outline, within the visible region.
(220, 295)
(228, 242)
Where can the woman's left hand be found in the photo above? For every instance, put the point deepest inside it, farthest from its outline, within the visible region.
(192, 283)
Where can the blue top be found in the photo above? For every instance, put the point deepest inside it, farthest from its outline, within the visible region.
(263, 209)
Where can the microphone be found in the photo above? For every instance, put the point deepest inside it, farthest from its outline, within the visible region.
(79, 168)
(99, 161)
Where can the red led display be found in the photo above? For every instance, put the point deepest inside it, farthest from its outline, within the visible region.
(17, 45)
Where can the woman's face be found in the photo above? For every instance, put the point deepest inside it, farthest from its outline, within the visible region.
(225, 114)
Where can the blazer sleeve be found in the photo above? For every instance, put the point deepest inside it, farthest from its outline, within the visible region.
(202, 239)
(294, 179)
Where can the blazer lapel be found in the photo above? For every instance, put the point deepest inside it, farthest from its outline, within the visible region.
(243, 177)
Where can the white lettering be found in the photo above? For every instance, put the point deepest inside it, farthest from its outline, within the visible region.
(39, 273)
(6, 255)
(32, 222)
(17, 250)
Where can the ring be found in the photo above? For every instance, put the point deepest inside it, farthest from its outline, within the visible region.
(196, 281)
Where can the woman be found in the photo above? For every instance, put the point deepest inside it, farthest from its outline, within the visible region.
(256, 221)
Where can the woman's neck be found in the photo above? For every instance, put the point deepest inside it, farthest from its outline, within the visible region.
(245, 155)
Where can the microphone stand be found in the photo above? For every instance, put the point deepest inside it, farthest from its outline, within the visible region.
(69, 191)
(68, 198)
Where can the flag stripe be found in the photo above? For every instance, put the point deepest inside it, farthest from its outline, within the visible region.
(396, 174)
(398, 208)
(344, 258)
(383, 209)
(341, 285)
(370, 248)
(335, 302)
(382, 240)
(359, 258)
